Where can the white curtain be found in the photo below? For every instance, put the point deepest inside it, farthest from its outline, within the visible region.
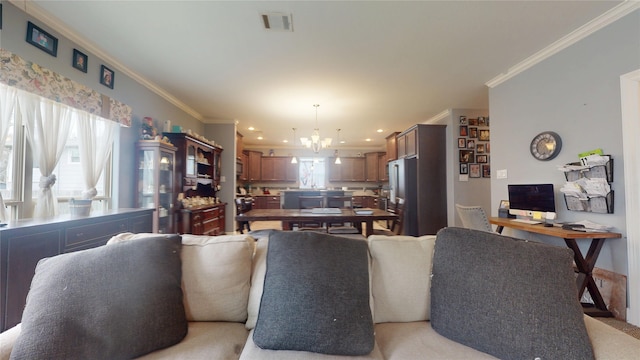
(47, 126)
(8, 97)
(96, 141)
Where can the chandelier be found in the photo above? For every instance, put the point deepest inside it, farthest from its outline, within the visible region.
(314, 143)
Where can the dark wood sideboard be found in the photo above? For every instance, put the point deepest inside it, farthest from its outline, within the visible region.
(23, 243)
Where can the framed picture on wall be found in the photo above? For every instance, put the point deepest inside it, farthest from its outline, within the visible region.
(486, 171)
(464, 168)
(466, 156)
(462, 143)
(473, 122)
(480, 148)
(464, 131)
(42, 39)
(474, 170)
(483, 159)
(484, 135)
(80, 60)
(471, 144)
(106, 76)
(473, 132)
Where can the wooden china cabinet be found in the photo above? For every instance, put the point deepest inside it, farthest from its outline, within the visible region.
(197, 177)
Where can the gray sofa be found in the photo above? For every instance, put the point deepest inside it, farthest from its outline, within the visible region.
(464, 302)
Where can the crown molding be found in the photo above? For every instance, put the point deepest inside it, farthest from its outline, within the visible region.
(609, 17)
(437, 118)
(55, 23)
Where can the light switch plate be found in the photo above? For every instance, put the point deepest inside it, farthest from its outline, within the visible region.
(501, 174)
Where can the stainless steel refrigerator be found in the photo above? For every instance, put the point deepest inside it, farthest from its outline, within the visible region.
(419, 181)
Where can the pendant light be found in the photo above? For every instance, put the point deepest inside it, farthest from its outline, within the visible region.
(338, 161)
(294, 160)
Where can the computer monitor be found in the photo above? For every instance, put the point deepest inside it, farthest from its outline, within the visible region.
(524, 200)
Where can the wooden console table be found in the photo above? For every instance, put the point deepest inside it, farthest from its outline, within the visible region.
(584, 264)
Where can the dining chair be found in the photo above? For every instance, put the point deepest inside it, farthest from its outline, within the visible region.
(397, 225)
(242, 206)
(310, 202)
(473, 217)
(343, 202)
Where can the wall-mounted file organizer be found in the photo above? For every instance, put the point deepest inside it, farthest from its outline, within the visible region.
(595, 180)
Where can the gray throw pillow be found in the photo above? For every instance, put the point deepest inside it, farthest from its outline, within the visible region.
(507, 297)
(113, 302)
(316, 295)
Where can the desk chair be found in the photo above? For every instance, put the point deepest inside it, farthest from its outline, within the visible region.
(342, 202)
(473, 217)
(310, 202)
(397, 226)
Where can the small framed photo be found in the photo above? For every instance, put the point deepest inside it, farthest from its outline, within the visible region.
(464, 130)
(464, 168)
(484, 135)
(463, 120)
(482, 121)
(487, 147)
(473, 132)
(482, 159)
(106, 76)
(480, 148)
(466, 156)
(471, 144)
(42, 39)
(486, 171)
(473, 122)
(504, 204)
(462, 143)
(474, 170)
(79, 61)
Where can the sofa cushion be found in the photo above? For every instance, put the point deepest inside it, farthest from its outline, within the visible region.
(111, 302)
(316, 295)
(257, 281)
(507, 297)
(216, 275)
(401, 277)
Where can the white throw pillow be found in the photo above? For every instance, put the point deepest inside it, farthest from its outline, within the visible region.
(216, 275)
(257, 281)
(401, 277)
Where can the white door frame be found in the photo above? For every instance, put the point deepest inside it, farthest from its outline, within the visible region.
(630, 102)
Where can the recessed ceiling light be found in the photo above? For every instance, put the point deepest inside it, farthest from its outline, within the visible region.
(367, 139)
(285, 141)
(379, 130)
(251, 128)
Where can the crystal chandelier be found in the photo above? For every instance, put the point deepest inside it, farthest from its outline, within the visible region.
(315, 143)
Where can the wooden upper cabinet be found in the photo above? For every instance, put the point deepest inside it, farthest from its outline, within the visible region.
(383, 169)
(255, 165)
(351, 169)
(392, 146)
(244, 176)
(375, 162)
(239, 145)
(278, 168)
(407, 142)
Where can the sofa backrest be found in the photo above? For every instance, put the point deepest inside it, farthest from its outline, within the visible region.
(216, 275)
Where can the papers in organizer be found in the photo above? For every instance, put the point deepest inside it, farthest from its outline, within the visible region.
(584, 188)
(593, 226)
(586, 162)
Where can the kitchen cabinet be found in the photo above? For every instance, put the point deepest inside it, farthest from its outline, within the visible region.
(244, 175)
(254, 171)
(266, 202)
(383, 169)
(365, 201)
(392, 146)
(278, 168)
(203, 220)
(373, 166)
(24, 242)
(351, 169)
(155, 185)
(408, 143)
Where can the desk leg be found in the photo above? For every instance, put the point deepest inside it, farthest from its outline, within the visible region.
(499, 229)
(585, 280)
(369, 227)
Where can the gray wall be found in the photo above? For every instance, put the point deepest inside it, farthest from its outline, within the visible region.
(575, 93)
(143, 101)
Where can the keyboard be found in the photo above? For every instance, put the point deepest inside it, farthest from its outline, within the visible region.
(530, 222)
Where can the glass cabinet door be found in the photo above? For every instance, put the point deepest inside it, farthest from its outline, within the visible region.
(156, 162)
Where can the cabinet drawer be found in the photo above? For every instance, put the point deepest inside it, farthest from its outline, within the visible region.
(80, 234)
(210, 213)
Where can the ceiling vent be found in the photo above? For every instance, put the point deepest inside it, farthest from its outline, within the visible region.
(277, 21)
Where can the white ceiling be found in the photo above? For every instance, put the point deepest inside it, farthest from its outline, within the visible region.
(369, 64)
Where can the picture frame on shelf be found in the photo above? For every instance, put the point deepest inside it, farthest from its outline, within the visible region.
(464, 168)
(42, 39)
(466, 156)
(484, 135)
(462, 143)
(80, 60)
(474, 170)
(486, 171)
(107, 76)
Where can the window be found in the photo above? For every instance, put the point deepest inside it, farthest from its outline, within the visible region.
(312, 173)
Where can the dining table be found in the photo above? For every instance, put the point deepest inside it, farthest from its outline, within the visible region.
(325, 215)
